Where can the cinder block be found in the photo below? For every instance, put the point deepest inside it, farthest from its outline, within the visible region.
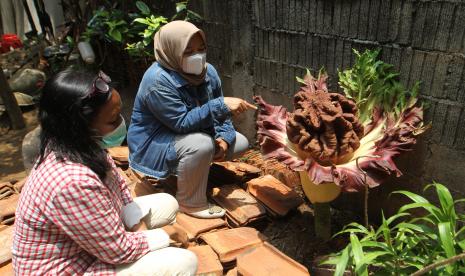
(292, 15)
(286, 7)
(315, 52)
(419, 22)
(440, 75)
(452, 125)
(295, 48)
(416, 67)
(373, 20)
(406, 22)
(406, 64)
(460, 135)
(345, 18)
(337, 16)
(431, 25)
(363, 20)
(427, 74)
(338, 61)
(439, 120)
(396, 11)
(446, 20)
(347, 56)
(384, 21)
(354, 18)
(457, 33)
(454, 77)
(312, 23)
(330, 56)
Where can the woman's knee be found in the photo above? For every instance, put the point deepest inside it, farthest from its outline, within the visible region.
(163, 209)
(202, 144)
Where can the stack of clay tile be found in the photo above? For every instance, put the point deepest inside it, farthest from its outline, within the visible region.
(9, 196)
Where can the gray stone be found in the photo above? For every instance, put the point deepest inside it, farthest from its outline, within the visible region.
(394, 22)
(384, 21)
(373, 20)
(454, 77)
(363, 20)
(345, 18)
(405, 22)
(451, 126)
(431, 25)
(445, 24)
(440, 115)
(354, 19)
(416, 67)
(440, 74)
(457, 34)
(427, 74)
(419, 22)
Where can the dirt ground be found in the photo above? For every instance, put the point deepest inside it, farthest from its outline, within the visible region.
(11, 161)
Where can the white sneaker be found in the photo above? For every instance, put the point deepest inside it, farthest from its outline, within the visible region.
(213, 211)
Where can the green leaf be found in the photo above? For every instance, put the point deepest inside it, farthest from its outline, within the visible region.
(116, 35)
(360, 265)
(144, 9)
(447, 240)
(342, 264)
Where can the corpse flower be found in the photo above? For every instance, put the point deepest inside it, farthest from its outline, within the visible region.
(343, 142)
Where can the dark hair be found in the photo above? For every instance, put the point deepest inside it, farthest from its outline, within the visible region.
(65, 114)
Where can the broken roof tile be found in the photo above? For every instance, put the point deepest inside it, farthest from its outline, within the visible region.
(8, 208)
(6, 242)
(271, 262)
(228, 244)
(195, 226)
(281, 172)
(233, 272)
(6, 269)
(119, 154)
(274, 194)
(241, 208)
(232, 172)
(208, 262)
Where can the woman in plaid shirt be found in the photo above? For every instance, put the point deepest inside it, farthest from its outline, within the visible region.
(76, 215)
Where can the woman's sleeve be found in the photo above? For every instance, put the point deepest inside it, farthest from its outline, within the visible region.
(85, 212)
(167, 106)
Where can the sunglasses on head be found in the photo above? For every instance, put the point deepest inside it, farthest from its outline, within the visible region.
(101, 85)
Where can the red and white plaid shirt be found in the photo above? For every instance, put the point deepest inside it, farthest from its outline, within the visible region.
(69, 222)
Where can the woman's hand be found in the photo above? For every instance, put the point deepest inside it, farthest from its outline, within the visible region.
(220, 149)
(237, 105)
(177, 234)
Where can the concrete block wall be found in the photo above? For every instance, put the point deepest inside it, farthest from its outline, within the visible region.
(423, 39)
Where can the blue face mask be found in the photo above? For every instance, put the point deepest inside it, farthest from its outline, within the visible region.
(116, 137)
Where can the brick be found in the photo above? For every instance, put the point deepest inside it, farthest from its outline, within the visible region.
(208, 262)
(431, 25)
(460, 135)
(276, 44)
(405, 22)
(8, 208)
(328, 7)
(373, 20)
(347, 56)
(384, 21)
(6, 242)
(302, 61)
(416, 67)
(323, 54)
(309, 51)
(452, 124)
(300, 13)
(286, 7)
(345, 18)
(330, 55)
(273, 75)
(457, 33)
(292, 15)
(295, 49)
(428, 72)
(405, 65)
(439, 119)
(354, 19)
(440, 75)
(228, 244)
(271, 262)
(241, 208)
(279, 198)
(312, 23)
(196, 226)
(338, 61)
(394, 22)
(364, 16)
(266, 45)
(419, 22)
(279, 14)
(445, 25)
(337, 16)
(282, 47)
(268, 13)
(315, 52)
(6, 269)
(454, 77)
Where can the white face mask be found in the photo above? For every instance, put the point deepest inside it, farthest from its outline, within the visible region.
(194, 64)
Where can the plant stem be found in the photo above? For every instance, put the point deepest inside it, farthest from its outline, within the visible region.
(439, 264)
(322, 212)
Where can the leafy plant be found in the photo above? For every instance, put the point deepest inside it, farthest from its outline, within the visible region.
(183, 13)
(374, 83)
(403, 243)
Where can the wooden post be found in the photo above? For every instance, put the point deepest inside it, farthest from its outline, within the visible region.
(11, 105)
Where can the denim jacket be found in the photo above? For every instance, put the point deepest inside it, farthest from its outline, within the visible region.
(166, 106)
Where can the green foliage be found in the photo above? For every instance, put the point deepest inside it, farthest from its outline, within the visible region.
(132, 31)
(375, 84)
(403, 243)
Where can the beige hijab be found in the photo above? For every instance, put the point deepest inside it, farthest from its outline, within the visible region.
(169, 45)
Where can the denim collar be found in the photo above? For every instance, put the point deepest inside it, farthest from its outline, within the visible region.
(179, 81)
